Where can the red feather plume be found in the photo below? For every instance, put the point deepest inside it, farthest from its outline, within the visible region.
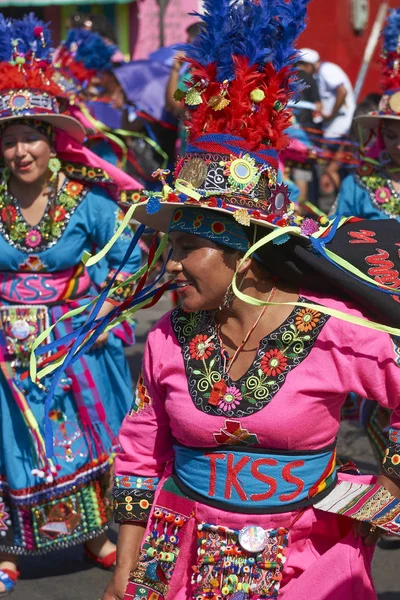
(262, 123)
(70, 67)
(35, 77)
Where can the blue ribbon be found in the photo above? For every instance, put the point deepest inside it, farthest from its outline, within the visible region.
(70, 356)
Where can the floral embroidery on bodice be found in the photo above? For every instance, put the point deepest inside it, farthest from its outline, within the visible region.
(37, 238)
(380, 189)
(211, 388)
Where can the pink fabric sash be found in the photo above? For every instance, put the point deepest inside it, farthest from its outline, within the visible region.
(44, 288)
(71, 151)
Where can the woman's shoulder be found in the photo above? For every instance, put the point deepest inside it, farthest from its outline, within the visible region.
(348, 329)
(161, 330)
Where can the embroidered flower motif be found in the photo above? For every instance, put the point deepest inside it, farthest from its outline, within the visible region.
(382, 195)
(74, 188)
(278, 355)
(273, 363)
(59, 214)
(201, 347)
(33, 238)
(9, 213)
(365, 169)
(307, 319)
(23, 237)
(231, 399)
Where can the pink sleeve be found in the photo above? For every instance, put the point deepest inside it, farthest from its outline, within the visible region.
(376, 375)
(375, 370)
(145, 439)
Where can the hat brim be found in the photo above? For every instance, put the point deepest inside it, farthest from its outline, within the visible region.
(160, 221)
(63, 122)
(372, 121)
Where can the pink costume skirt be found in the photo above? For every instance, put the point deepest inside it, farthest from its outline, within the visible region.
(309, 555)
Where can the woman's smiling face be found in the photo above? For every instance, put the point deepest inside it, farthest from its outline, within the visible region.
(26, 153)
(202, 270)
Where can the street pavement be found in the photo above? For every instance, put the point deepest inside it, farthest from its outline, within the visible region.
(67, 576)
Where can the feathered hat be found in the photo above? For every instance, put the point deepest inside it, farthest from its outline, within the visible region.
(389, 107)
(83, 54)
(242, 78)
(27, 87)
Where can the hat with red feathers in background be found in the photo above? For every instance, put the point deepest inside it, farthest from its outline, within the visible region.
(27, 86)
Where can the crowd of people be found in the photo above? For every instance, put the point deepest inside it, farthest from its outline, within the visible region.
(221, 466)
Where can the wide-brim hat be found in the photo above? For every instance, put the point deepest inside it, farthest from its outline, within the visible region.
(41, 106)
(389, 109)
(221, 173)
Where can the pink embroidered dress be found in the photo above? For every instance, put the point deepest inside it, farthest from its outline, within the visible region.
(289, 401)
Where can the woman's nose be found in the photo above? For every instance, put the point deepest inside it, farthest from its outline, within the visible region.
(20, 149)
(173, 266)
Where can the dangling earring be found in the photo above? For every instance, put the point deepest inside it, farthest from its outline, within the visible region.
(6, 174)
(54, 167)
(228, 298)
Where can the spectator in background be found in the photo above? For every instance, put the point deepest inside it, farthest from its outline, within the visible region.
(338, 105)
(336, 92)
(306, 119)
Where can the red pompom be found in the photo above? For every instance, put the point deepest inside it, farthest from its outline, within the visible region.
(38, 31)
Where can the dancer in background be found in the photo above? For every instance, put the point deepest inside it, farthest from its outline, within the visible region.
(373, 191)
(57, 200)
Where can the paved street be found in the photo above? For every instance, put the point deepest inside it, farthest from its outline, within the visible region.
(66, 576)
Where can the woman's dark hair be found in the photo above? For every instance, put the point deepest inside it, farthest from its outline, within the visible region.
(290, 261)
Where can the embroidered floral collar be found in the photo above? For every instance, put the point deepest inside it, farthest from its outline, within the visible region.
(212, 390)
(19, 234)
(380, 189)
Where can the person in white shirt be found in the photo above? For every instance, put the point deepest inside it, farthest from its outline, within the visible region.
(336, 91)
(338, 106)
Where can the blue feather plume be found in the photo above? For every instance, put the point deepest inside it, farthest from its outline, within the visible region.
(5, 39)
(264, 32)
(94, 53)
(23, 32)
(76, 37)
(391, 31)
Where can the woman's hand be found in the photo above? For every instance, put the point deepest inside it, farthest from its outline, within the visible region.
(130, 537)
(102, 339)
(117, 586)
(370, 533)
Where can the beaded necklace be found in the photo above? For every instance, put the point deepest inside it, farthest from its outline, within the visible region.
(232, 360)
(36, 238)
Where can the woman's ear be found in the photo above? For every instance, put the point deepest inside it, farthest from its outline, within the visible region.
(242, 266)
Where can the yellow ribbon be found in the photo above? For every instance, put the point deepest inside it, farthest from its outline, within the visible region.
(91, 260)
(186, 188)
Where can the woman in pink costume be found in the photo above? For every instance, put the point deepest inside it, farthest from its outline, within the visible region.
(227, 485)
